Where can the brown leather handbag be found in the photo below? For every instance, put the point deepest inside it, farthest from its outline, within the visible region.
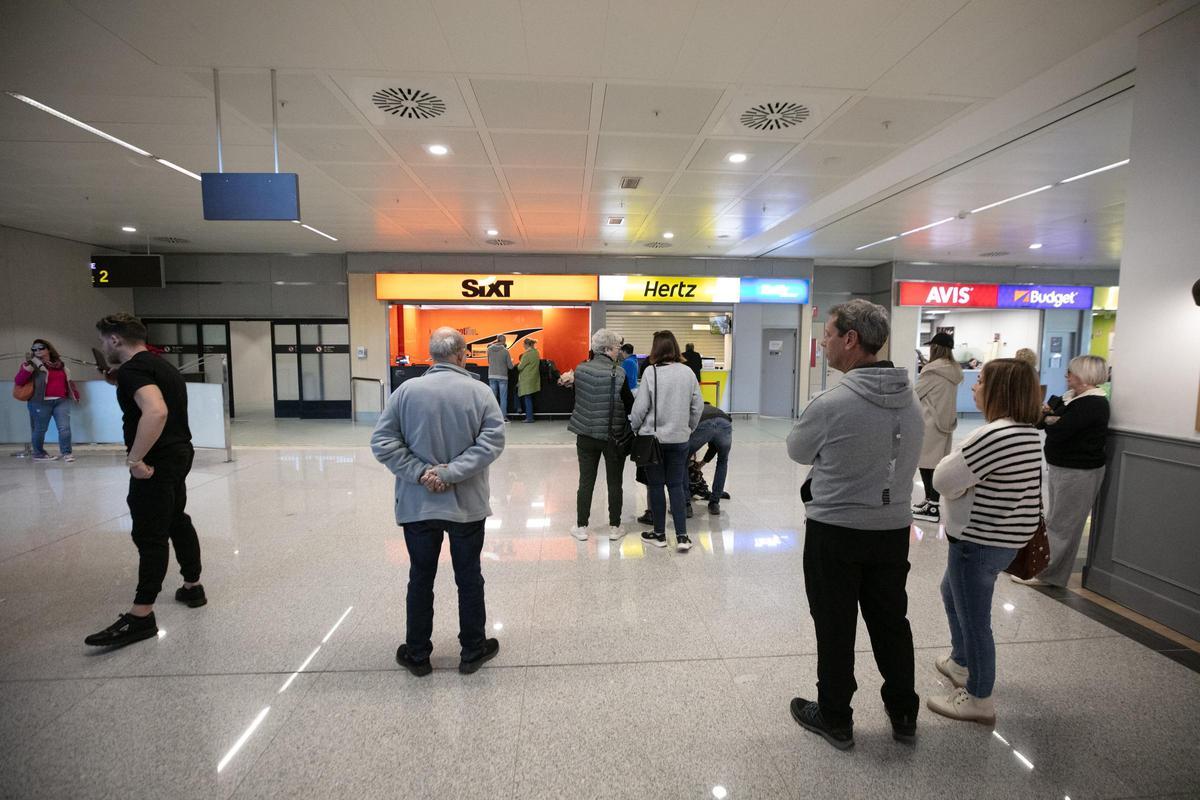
(1035, 555)
(23, 391)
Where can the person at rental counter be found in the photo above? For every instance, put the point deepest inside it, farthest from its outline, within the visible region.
(529, 377)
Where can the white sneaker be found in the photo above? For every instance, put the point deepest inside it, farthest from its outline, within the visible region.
(961, 705)
(683, 543)
(950, 668)
(616, 533)
(69, 458)
(580, 532)
(1027, 581)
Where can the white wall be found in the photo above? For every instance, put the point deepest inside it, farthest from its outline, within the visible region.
(250, 352)
(973, 331)
(47, 292)
(1158, 331)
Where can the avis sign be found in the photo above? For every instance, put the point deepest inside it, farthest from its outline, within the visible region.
(949, 295)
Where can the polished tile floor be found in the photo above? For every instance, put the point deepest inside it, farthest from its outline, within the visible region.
(623, 672)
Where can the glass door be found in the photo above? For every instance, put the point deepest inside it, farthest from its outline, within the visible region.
(194, 347)
(312, 369)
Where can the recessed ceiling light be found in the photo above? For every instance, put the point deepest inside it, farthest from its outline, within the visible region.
(668, 235)
(736, 158)
(129, 229)
(493, 232)
(438, 149)
(1035, 246)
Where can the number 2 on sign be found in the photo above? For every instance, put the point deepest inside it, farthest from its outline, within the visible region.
(104, 276)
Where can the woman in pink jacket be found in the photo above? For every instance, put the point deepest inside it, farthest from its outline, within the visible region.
(52, 395)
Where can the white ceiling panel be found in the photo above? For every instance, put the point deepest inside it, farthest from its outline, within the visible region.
(761, 155)
(334, 144)
(466, 150)
(303, 98)
(621, 203)
(406, 102)
(719, 44)
(561, 38)
(598, 227)
(784, 112)
(609, 182)
(713, 184)
(884, 120)
(641, 152)
(472, 202)
(384, 200)
(642, 37)
(553, 203)
(541, 149)
(457, 179)
(544, 181)
(403, 37)
(657, 109)
(703, 208)
(484, 37)
(829, 158)
(371, 176)
(534, 105)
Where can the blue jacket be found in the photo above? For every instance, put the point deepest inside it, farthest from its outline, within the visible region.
(448, 417)
(630, 365)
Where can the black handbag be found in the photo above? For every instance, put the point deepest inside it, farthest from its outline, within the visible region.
(622, 440)
(646, 448)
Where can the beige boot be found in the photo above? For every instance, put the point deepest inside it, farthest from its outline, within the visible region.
(963, 706)
(950, 668)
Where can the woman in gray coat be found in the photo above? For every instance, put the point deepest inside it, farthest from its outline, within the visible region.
(937, 391)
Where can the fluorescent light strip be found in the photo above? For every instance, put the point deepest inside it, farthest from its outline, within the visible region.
(345, 614)
(177, 168)
(881, 241)
(319, 233)
(1014, 197)
(77, 123)
(1023, 759)
(1095, 171)
(288, 682)
(243, 738)
(930, 225)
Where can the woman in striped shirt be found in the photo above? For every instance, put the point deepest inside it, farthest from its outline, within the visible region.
(991, 489)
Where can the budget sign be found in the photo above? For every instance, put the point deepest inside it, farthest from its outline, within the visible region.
(1037, 296)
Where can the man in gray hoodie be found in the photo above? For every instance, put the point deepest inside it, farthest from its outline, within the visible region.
(500, 363)
(437, 434)
(863, 439)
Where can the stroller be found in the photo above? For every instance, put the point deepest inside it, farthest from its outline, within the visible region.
(697, 485)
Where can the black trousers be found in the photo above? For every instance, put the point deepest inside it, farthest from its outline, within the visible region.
(845, 569)
(589, 451)
(931, 493)
(424, 542)
(156, 505)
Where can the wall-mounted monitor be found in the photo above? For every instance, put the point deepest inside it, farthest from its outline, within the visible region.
(720, 325)
(247, 196)
(127, 272)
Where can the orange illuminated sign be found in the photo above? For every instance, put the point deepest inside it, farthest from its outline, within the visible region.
(475, 288)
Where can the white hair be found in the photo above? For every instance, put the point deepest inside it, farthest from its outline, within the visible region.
(445, 344)
(603, 340)
(1092, 370)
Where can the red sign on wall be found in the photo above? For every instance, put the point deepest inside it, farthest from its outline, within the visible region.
(952, 295)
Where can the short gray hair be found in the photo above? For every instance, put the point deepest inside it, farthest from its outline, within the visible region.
(604, 339)
(869, 320)
(445, 344)
(1092, 370)
(501, 339)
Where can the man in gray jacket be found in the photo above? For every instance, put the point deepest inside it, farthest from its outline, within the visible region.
(437, 434)
(863, 439)
(500, 363)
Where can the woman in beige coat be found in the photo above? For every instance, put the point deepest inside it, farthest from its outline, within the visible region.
(937, 390)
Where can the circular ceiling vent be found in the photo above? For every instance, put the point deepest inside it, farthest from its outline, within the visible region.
(499, 242)
(170, 240)
(774, 116)
(657, 245)
(993, 254)
(409, 103)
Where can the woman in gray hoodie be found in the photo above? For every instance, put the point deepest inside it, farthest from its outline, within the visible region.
(668, 406)
(937, 390)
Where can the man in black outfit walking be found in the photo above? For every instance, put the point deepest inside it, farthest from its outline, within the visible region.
(153, 400)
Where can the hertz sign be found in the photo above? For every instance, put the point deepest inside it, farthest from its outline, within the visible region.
(669, 289)
(485, 288)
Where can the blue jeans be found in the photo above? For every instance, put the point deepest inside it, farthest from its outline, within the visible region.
(40, 414)
(499, 388)
(672, 473)
(967, 587)
(424, 542)
(527, 399)
(718, 433)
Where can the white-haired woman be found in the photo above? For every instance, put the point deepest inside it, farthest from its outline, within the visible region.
(602, 405)
(1076, 430)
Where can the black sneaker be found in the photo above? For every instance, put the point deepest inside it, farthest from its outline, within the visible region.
(683, 542)
(808, 715)
(904, 729)
(490, 648)
(194, 597)
(126, 630)
(689, 511)
(714, 506)
(656, 539)
(647, 518)
(919, 507)
(930, 513)
(419, 668)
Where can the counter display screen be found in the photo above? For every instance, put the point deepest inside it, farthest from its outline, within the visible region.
(127, 272)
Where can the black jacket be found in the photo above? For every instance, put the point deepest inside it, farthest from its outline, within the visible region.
(694, 361)
(1076, 441)
(602, 399)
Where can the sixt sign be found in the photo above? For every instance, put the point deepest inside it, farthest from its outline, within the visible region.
(1037, 296)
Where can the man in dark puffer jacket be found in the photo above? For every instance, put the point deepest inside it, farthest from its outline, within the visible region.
(602, 403)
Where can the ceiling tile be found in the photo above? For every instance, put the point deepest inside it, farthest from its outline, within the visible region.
(884, 120)
(700, 207)
(303, 98)
(713, 184)
(334, 144)
(473, 202)
(828, 158)
(621, 203)
(384, 200)
(800, 189)
(643, 37)
(371, 176)
(406, 102)
(609, 181)
(541, 149)
(657, 109)
(554, 203)
(457, 179)
(466, 150)
(761, 155)
(481, 35)
(565, 32)
(641, 152)
(544, 181)
(534, 105)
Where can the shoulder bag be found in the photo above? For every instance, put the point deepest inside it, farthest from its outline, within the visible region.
(1034, 555)
(646, 448)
